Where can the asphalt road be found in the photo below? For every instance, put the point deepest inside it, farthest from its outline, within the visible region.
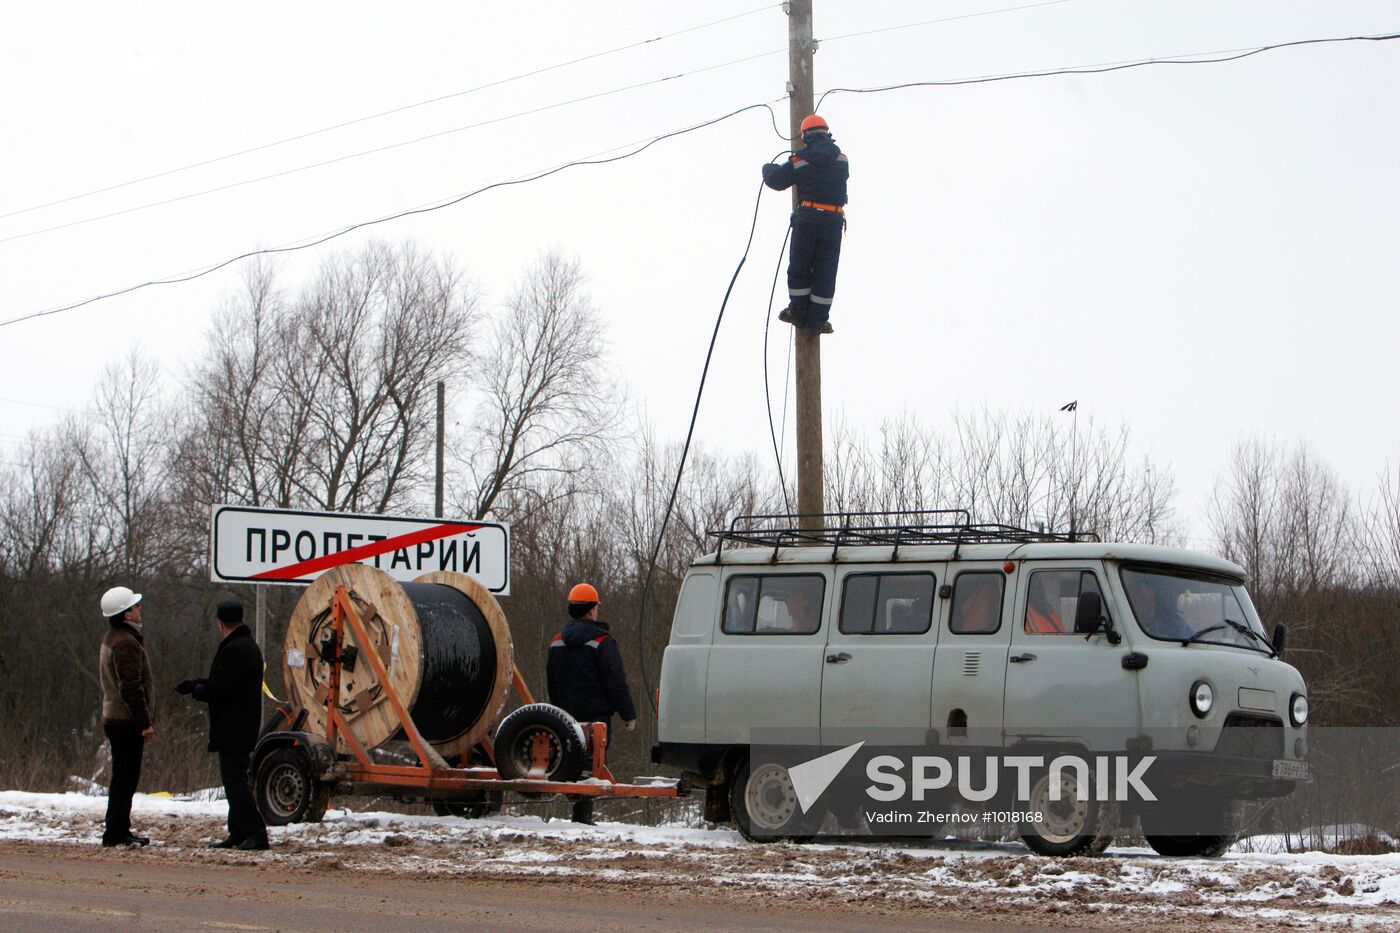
(67, 888)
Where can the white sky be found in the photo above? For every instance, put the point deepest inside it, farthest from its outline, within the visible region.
(1202, 251)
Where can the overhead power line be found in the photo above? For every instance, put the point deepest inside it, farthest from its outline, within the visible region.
(448, 132)
(20, 401)
(386, 148)
(945, 19)
(390, 112)
(172, 280)
(1196, 58)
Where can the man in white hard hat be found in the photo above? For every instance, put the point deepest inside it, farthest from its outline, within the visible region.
(127, 708)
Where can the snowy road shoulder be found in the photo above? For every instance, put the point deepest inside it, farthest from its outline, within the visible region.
(1131, 887)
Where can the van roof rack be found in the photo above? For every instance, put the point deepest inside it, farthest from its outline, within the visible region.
(897, 528)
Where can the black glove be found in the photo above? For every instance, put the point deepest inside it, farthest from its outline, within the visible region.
(768, 168)
(186, 687)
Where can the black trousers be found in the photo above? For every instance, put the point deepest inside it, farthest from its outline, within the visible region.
(127, 746)
(244, 820)
(812, 260)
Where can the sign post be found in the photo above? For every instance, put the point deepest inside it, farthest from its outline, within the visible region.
(283, 546)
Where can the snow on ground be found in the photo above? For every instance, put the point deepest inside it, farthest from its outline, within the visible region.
(1131, 886)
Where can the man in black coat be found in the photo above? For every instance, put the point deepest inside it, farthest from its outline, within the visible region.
(819, 170)
(585, 676)
(232, 691)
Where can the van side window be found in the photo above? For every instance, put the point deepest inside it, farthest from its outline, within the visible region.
(977, 603)
(773, 604)
(887, 604)
(1053, 596)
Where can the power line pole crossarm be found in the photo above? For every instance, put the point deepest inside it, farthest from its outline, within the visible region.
(810, 497)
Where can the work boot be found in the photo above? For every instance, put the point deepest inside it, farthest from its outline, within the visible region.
(229, 843)
(583, 812)
(131, 839)
(253, 844)
(788, 315)
(821, 327)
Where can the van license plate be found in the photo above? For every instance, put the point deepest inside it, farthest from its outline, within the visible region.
(1291, 770)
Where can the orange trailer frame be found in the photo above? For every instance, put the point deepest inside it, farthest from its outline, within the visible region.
(431, 776)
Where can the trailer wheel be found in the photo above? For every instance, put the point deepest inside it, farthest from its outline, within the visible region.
(475, 804)
(764, 804)
(480, 804)
(287, 791)
(1068, 826)
(518, 733)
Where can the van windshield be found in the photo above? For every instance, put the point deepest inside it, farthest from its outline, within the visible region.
(1181, 606)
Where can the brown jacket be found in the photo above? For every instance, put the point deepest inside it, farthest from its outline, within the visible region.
(127, 693)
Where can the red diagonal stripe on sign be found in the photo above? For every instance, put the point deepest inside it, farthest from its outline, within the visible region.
(374, 548)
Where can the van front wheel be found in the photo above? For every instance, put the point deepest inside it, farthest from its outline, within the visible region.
(1205, 828)
(1068, 826)
(764, 804)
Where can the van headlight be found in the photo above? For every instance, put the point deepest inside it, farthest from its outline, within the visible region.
(1202, 698)
(1298, 709)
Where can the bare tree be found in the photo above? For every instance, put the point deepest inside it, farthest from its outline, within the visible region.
(1024, 469)
(1379, 532)
(324, 399)
(124, 451)
(546, 403)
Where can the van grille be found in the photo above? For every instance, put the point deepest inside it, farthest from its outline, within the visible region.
(1249, 736)
(972, 663)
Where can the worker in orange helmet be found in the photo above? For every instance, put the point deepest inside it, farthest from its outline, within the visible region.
(819, 170)
(585, 676)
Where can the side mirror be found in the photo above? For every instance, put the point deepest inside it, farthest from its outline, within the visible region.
(1088, 616)
(1280, 639)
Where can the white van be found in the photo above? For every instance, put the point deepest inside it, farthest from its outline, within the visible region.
(964, 636)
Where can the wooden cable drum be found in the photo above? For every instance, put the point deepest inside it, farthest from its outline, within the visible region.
(443, 640)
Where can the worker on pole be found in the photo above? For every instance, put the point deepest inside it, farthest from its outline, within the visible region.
(819, 170)
(585, 676)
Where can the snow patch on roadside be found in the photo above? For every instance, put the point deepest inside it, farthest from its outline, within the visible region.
(1302, 889)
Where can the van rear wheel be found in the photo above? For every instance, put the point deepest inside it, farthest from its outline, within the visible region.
(764, 804)
(1068, 826)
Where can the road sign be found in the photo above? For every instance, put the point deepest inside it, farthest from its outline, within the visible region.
(248, 545)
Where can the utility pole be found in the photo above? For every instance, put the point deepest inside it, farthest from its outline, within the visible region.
(260, 633)
(810, 494)
(441, 424)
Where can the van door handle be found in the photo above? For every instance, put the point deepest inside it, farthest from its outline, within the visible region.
(1021, 658)
(839, 658)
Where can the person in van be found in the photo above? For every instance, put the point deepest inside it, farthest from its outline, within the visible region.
(803, 608)
(1042, 616)
(977, 609)
(1155, 610)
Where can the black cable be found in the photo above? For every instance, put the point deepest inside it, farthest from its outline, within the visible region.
(385, 113)
(767, 396)
(388, 147)
(173, 280)
(945, 19)
(685, 452)
(1195, 59)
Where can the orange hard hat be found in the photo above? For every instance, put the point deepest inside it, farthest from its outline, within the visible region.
(583, 593)
(814, 122)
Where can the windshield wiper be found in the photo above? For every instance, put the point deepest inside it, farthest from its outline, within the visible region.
(1205, 631)
(1237, 627)
(1246, 630)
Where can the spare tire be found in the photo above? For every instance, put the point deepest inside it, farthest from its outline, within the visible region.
(516, 737)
